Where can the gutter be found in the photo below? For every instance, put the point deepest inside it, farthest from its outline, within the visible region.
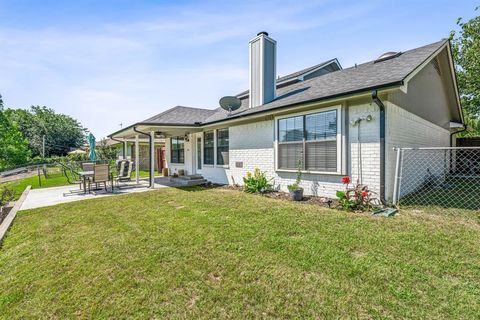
(453, 133)
(124, 151)
(334, 96)
(380, 104)
(150, 155)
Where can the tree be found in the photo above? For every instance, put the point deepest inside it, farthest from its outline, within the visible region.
(466, 54)
(61, 132)
(105, 151)
(13, 147)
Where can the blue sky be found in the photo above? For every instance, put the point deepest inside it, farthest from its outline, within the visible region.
(112, 62)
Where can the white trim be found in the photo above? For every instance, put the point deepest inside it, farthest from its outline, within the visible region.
(339, 139)
(137, 159)
(446, 45)
(421, 66)
(152, 160)
(454, 79)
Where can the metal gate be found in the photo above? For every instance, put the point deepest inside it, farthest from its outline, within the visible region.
(444, 178)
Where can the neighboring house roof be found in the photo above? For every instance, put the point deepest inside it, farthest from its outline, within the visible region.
(181, 115)
(298, 75)
(360, 78)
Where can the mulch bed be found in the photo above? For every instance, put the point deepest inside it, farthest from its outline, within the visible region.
(4, 212)
(319, 201)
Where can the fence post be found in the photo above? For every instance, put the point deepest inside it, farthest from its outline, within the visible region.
(397, 177)
(39, 176)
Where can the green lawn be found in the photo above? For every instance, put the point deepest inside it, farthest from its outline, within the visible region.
(218, 253)
(55, 179)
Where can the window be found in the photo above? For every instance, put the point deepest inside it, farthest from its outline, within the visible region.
(177, 150)
(222, 147)
(311, 139)
(208, 147)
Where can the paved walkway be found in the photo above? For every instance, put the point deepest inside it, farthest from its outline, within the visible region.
(38, 198)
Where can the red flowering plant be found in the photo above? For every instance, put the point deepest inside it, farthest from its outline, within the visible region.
(355, 198)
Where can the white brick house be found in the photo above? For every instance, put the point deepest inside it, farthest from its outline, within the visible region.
(332, 119)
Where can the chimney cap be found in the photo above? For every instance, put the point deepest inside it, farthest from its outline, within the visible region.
(262, 32)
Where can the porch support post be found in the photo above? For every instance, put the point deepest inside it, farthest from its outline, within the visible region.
(125, 145)
(137, 160)
(152, 159)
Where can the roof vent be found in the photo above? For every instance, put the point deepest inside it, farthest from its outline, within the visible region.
(387, 56)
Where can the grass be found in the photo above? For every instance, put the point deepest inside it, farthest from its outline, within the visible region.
(218, 253)
(55, 179)
(457, 193)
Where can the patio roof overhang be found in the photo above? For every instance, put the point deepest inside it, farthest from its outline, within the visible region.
(162, 130)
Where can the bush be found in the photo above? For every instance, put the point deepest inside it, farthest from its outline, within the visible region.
(357, 198)
(257, 182)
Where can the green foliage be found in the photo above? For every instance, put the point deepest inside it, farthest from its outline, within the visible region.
(106, 152)
(466, 54)
(257, 182)
(357, 198)
(6, 195)
(13, 147)
(62, 132)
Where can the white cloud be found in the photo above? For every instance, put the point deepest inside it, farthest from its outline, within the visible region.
(120, 73)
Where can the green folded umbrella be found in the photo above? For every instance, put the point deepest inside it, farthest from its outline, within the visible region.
(91, 142)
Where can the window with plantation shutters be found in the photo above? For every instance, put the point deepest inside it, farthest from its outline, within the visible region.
(309, 140)
(208, 147)
(222, 147)
(177, 149)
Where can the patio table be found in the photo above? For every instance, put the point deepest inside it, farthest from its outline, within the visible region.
(85, 175)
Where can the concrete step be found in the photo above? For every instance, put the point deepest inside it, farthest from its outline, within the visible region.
(191, 177)
(188, 182)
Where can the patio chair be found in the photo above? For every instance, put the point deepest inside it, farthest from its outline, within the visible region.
(125, 172)
(101, 174)
(88, 166)
(73, 178)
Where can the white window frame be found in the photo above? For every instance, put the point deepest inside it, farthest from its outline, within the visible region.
(208, 165)
(340, 148)
(216, 156)
(215, 164)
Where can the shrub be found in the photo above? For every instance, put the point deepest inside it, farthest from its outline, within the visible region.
(6, 195)
(257, 182)
(296, 185)
(356, 198)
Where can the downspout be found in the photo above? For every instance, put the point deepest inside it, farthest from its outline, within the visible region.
(453, 133)
(381, 106)
(150, 153)
(124, 151)
(451, 145)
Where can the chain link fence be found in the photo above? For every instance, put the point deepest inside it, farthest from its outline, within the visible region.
(443, 178)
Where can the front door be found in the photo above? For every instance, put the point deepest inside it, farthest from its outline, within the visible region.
(198, 154)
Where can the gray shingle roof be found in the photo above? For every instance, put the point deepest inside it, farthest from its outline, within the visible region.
(181, 115)
(363, 77)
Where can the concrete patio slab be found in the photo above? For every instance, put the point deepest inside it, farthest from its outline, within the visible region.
(38, 198)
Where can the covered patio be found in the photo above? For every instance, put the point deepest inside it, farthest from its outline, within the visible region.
(153, 133)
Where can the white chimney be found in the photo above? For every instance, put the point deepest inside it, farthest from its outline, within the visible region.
(263, 69)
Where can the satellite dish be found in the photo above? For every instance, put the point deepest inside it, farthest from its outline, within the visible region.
(230, 103)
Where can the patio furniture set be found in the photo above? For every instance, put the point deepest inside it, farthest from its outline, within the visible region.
(92, 174)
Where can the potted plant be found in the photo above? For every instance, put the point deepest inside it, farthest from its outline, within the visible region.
(296, 192)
